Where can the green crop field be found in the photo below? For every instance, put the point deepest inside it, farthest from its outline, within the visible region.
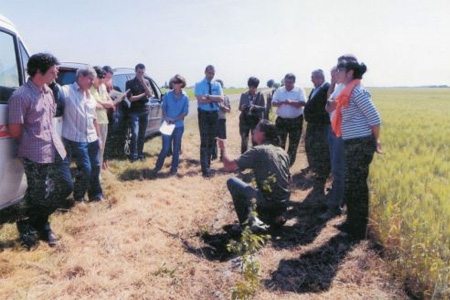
(410, 205)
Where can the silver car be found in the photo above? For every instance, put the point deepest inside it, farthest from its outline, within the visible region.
(67, 75)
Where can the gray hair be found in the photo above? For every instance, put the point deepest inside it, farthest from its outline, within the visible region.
(85, 71)
(318, 73)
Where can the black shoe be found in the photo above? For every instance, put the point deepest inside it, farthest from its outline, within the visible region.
(329, 214)
(28, 234)
(48, 236)
(344, 227)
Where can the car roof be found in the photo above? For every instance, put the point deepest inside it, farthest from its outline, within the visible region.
(117, 71)
(71, 65)
(5, 23)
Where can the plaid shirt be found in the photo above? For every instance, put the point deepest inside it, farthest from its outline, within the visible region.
(34, 109)
(79, 115)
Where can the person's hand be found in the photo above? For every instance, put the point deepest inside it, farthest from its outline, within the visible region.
(378, 148)
(220, 143)
(333, 75)
(108, 104)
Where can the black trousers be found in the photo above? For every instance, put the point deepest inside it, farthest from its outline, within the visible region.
(317, 150)
(358, 156)
(49, 185)
(292, 128)
(208, 122)
(245, 128)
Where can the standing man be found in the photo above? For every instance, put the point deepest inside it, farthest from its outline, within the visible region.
(139, 94)
(209, 94)
(289, 101)
(31, 111)
(316, 139)
(81, 135)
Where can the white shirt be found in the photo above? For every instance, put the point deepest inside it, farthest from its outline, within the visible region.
(285, 110)
(316, 89)
(337, 90)
(79, 115)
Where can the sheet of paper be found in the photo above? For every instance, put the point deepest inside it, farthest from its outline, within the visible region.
(167, 128)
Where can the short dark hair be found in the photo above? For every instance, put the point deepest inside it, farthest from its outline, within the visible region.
(108, 69)
(358, 68)
(253, 81)
(41, 62)
(210, 67)
(289, 76)
(270, 132)
(347, 57)
(139, 66)
(177, 79)
(100, 72)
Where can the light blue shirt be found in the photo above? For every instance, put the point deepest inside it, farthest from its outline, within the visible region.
(202, 88)
(173, 107)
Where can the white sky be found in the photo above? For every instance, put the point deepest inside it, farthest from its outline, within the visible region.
(403, 43)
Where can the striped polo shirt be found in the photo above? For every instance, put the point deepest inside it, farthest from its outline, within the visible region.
(360, 115)
(79, 115)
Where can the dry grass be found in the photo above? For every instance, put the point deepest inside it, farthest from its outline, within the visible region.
(163, 239)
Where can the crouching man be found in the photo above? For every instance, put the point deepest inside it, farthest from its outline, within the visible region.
(31, 111)
(270, 164)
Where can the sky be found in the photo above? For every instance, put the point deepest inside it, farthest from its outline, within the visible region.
(403, 43)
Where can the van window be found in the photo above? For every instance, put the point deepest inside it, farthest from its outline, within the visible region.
(66, 76)
(9, 71)
(24, 55)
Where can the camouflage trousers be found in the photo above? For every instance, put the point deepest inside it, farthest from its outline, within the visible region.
(358, 156)
(49, 185)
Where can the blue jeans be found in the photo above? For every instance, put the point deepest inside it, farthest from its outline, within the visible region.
(175, 138)
(88, 169)
(139, 123)
(337, 158)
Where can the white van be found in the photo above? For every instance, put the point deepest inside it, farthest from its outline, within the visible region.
(13, 60)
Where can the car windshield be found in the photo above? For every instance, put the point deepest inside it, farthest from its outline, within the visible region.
(66, 77)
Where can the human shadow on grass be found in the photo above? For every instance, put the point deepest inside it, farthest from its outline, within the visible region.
(307, 225)
(10, 244)
(303, 180)
(313, 271)
(215, 246)
(135, 174)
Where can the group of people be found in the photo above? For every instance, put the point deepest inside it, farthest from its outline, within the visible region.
(342, 135)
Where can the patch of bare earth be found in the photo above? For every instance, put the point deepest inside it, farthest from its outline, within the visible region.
(164, 239)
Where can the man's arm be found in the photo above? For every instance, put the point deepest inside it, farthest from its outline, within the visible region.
(15, 130)
(229, 164)
(97, 129)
